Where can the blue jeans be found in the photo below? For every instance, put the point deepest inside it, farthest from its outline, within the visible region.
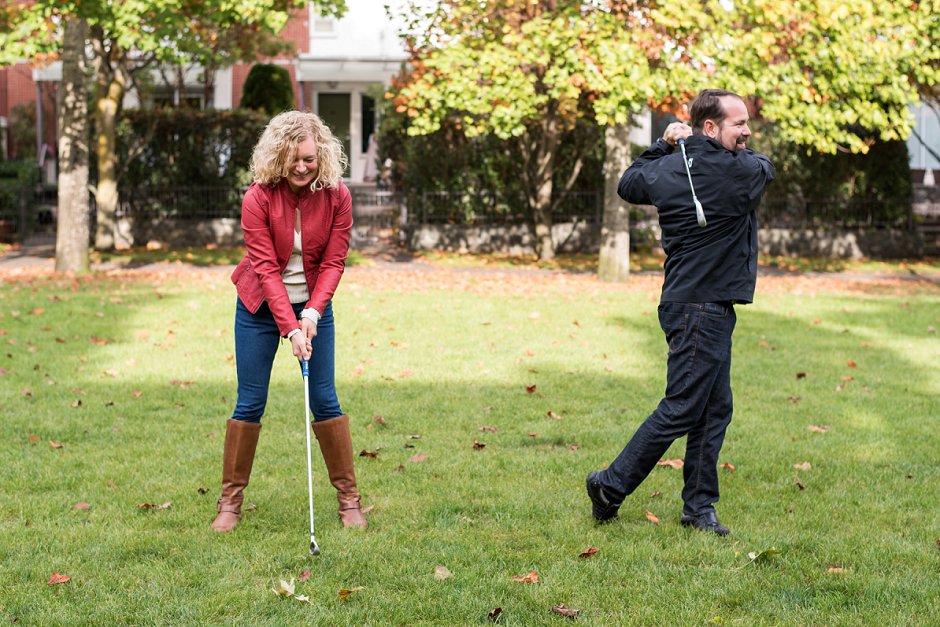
(697, 403)
(256, 341)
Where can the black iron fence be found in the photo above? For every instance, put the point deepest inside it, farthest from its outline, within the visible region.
(851, 213)
(494, 208)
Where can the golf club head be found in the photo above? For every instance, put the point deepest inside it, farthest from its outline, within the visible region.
(699, 213)
(314, 549)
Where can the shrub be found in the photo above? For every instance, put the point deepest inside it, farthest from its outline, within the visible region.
(268, 89)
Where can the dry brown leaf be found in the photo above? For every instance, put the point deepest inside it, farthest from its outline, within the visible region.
(477, 445)
(442, 572)
(380, 420)
(346, 592)
(553, 415)
(589, 552)
(358, 370)
(494, 614)
(803, 466)
(33, 438)
(835, 570)
(370, 454)
(366, 510)
(76, 403)
(56, 578)
(136, 394)
(530, 389)
(420, 457)
(672, 463)
(405, 373)
(82, 505)
(166, 505)
(655, 494)
(532, 577)
(850, 364)
(818, 428)
(650, 516)
(800, 375)
(799, 484)
(728, 466)
(488, 428)
(55, 444)
(304, 576)
(562, 609)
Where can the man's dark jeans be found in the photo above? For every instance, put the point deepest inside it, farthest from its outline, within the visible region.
(697, 403)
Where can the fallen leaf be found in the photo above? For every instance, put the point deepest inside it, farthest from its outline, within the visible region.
(416, 436)
(794, 399)
(818, 428)
(182, 384)
(530, 389)
(728, 466)
(420, 457)
(494, 614)
(82, 505)
(202, 490)
(76, 403)
(847, 377)
(136, 394)
(800, 375)
(850, 364)
(346, 592)
(650, 516)
(532, 577)
(672, 463)
(399, 468)
(303, 598)
(570, 612)
(533, 435)
(358, 370)
(111, 372)
(370, 454)
(284, 588)
(405, 373)
(366, 510)
(55, 444)
(304, 576)
(799, 484)
(835, 570)
(762, 556)
(655, 494)
(166, 505)
(803, 466)
(589, 552)
(441, 572)
(477, 445)
(56, 578)
(33, 438)
(553, 415)
(488, 428)
(380, 420)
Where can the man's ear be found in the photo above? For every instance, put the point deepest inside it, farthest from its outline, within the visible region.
(710, 128)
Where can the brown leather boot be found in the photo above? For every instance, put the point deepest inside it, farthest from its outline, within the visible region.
(336, 446)
(241, 438)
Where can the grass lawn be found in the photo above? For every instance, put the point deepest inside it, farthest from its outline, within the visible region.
(115, 388)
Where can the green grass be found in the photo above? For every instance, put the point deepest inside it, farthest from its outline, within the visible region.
(440, 354)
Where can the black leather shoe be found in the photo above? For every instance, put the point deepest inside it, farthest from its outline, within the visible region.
(602, 507)
(705, 522)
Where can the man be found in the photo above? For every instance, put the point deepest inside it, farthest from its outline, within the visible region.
(707, 271)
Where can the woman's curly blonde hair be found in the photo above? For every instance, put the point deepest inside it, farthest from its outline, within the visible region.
(278, 144)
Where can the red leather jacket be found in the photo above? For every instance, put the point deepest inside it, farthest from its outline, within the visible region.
(268, 228)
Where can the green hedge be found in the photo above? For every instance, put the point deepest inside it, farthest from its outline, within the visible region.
(16, 179)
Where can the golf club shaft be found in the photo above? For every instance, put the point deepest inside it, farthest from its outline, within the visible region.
(699, 211)
(305, 369)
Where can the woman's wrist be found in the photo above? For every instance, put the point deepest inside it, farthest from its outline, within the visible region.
(311, 314)
(291, 333)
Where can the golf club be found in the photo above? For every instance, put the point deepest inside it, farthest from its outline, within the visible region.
(305, 369)
(699, 212)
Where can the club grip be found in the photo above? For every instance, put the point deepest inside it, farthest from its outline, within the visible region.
(305, 367)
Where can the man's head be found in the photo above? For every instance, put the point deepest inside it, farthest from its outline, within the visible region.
(721, 115)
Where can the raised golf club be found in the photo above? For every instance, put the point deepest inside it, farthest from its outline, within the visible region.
(699, 212)
(305, 369)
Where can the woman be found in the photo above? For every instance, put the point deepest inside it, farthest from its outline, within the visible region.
(296, 219)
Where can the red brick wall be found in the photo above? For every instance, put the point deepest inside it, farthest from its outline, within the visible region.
(18, 88)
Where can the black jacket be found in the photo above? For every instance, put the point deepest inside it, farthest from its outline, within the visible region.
(719, 262)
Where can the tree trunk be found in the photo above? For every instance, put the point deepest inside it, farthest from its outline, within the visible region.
(72, 228)
(111, 87)
(539, 172)
(614, 262)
